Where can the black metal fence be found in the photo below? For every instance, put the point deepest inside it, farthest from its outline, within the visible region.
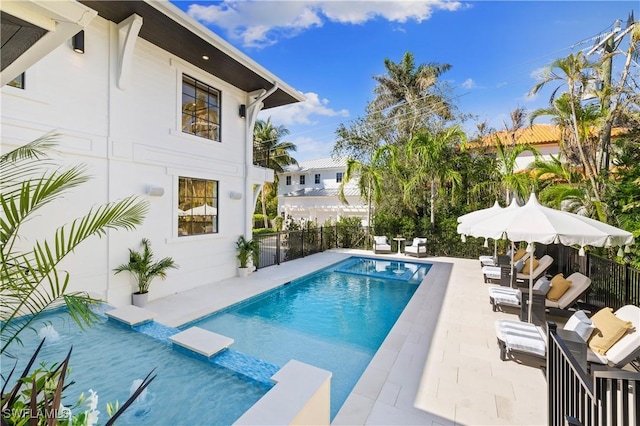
(609, 396)
(612, 284)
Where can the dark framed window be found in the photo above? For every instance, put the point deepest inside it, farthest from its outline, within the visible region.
(197, 206)
(200, 109)
(339, 177)
(17, 82)
(288, 180)
(302, 180)
(317, 178)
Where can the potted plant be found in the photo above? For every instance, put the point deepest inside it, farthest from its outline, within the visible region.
(145, 269)
(247, 249)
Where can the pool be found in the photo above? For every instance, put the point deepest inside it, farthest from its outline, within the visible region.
(109, 358)
(335, 318)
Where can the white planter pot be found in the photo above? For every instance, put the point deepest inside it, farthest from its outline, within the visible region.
(140, 299)
(243, 272)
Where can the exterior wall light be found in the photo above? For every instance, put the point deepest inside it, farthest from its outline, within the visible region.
(77, 41)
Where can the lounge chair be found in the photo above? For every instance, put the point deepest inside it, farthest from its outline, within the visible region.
(506, 277)
(503, 259)
(381, 244)
(418, 247)
(500, 297)
(527, 342)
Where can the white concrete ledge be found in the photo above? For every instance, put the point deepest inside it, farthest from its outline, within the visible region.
(202, 341)
(131, 315)
(301, 396)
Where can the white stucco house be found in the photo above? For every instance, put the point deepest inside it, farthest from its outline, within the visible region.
(310, 191)
(154, 104)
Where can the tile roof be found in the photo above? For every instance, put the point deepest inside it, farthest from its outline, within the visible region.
(537, 134)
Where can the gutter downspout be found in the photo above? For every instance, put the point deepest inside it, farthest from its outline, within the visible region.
(253, 109)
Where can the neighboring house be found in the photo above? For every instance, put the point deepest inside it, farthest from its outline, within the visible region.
(156, 105)
(310, 191)
(543, 137)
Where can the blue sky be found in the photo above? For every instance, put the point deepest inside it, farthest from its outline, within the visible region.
(329, 50)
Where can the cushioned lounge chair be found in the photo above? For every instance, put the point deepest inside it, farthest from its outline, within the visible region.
(381, 244)
(504, 276)
(500, 297)
(527, 342)
(418, 247)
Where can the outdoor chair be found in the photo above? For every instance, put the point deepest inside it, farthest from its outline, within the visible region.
(503, 259)
(418, 247)
(381, 244)
(521, 341)
(500, 297)
(518, 272)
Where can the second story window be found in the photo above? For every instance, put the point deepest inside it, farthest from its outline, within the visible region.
(339, 177)
(301, 179)
(200, 109)
(288, 180)
(317, 178)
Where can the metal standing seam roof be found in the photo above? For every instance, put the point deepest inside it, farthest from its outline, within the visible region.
(323, 192)
(319, 163)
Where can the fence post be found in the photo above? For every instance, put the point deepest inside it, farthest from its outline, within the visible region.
(278, 248)
(627, 284)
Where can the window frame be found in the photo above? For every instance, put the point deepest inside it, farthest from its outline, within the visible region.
(317, 178)
(287, 180)
(302, 180)
(339, 177)
(192, 91)
(212, 200)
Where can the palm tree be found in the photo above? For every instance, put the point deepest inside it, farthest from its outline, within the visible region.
(270, 152)
(575, 71)
(30, 278)
(369, 181)
(431, 153)
(407, 93)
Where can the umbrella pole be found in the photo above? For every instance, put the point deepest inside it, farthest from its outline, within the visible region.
(530, 307)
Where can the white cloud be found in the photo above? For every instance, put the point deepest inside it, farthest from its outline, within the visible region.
(501, 84)
(262, 23)
(302, 112)
(469, 84)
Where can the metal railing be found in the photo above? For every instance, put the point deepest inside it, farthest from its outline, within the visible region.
(608, 396)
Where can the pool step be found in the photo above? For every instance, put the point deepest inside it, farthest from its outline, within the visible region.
(131, 315)
(201, 341)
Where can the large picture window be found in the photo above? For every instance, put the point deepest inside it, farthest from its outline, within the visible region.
(200, 109)
(197, 206)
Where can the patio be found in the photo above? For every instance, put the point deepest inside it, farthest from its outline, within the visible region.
(440, 363)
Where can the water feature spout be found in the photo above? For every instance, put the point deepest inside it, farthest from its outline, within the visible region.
(49, 332)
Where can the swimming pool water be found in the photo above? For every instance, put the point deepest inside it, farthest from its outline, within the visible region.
(108, 358)
(328, 319)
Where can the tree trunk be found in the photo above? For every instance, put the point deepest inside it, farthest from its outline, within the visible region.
(433, 201)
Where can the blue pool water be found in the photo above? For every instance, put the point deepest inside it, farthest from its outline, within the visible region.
(335, 319)
(108, 358)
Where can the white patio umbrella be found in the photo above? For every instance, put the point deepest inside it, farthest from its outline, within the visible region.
(535, 223)
(465, 222)
(203, 210)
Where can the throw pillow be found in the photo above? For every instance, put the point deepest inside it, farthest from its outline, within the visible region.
(526, 270)
(609, 329)
(380, 240)
(543, 285)
(559, 286)
(518, 255)
(581, 324)
(519, 265)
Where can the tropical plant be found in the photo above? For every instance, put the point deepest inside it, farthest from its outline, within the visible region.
(143, 267)
(270, 152)
(369, 182)
(30, 280)
(247, 249)
(431, 153)
(36, 397)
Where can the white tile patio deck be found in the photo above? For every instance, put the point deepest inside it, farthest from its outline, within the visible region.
(439, 365)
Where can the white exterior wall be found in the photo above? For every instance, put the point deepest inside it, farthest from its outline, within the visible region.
(130, 139)
(526, 158)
